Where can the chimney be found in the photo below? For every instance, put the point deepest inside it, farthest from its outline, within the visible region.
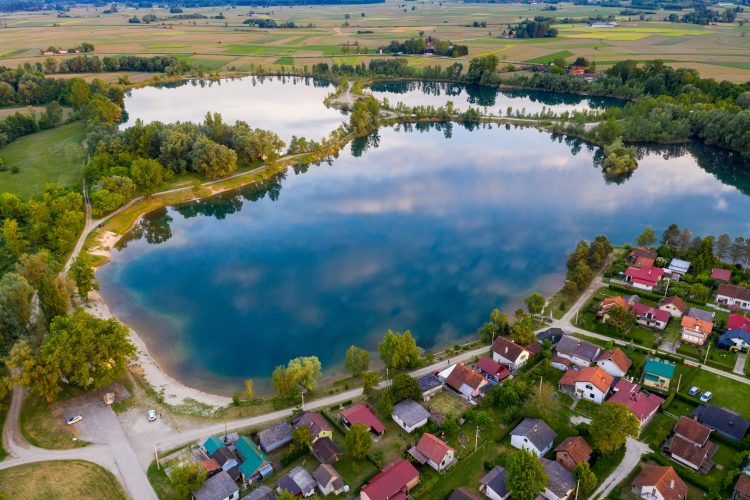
(671, 484)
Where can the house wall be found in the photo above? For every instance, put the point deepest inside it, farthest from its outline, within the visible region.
(684, 462)
(651, 322)
(564, 459)
(550, 495)
(513, 365)
(693, 336)
(672, 310)
(583, 363)
(730, 301)
(427, 395)
(589, 392)
(523, 442)
(448, 459)
(491, 494)
(608, 366)
(642, 287)
(401, 424)
(649, 492)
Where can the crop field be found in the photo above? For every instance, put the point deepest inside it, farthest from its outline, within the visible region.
(220, 40)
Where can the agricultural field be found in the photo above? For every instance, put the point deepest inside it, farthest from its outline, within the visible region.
(221, 41)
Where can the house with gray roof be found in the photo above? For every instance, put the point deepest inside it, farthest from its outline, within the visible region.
(299, 482)
(410, 415)
(430, 385)
(262, 492)
(329, 480)
(724, 421)
(534, 435)
(218, 487)
(679, 266)
(492, 485)
(276, 436)
(579, 352)
(560, 481)
(700, 314)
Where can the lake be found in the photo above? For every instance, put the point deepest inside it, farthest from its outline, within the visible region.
(285, 105)
(496, 101)
(424, 228)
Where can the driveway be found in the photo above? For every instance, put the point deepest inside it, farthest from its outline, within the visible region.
(633, 451)
(100, 425)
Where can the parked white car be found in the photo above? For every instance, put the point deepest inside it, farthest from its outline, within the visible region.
(152, 415)
(694, 391)
(74, 419)
(706, 396)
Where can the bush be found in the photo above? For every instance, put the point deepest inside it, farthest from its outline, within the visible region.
(14, 169)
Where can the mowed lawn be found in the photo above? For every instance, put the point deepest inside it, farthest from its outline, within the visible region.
(59, 479)
(726, 392)
(54, 155)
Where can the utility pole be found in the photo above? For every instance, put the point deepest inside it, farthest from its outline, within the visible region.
(679, 381)
(540, 384)
(476, 439)
(156, 453)
(578, 484)
(707, 351)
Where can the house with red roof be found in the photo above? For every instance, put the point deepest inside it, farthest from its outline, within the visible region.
(673, 305)
(660, 482)
(591, 383)
(644, 278)
(651, 317)
(434, 452)
(362, 414)
(733, 296)
(738, 322)
(721, 274)
(742, 488)
(643, 256)
(615, 362)
(689, 445)
(393, 482)
(644, 406)
(572, 451)
(492, 370)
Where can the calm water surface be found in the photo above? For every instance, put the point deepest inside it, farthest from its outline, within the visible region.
(285, 105)
(424, 229)
(478, 96)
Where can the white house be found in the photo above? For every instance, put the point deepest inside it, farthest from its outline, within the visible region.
(410, 415)
(534, 435)
(577, 351)
(329, 480)
(591, 383)
(733, 296)
(434, 452)
(492, 485)
(508, 353)
(614, 361)
(659, 482)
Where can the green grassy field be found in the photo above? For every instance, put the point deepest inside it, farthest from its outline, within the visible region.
(42, 428)
(59, 479)
(54, 155)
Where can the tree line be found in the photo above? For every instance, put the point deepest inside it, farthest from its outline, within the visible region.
(422, 45)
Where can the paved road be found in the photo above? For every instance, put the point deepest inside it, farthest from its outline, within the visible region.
(633, 452)
(175, 439)
(110, 449)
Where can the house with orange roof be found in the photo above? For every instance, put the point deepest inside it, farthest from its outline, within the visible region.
(615, 362)
(434, 452)
(673, 305)
(660, 482)
(602, 313)
(591, 383)
(697, 325)
(465, 381)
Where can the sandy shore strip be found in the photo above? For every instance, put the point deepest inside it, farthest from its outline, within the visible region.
(174, 392)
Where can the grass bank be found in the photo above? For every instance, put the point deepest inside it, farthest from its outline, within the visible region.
(42, 428)
(60, 479)
(54, 155)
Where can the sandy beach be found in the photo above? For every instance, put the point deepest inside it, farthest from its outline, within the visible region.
(174, 392)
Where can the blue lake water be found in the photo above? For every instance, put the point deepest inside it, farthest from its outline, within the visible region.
(418, 228)
(286, 105)
(493, 100)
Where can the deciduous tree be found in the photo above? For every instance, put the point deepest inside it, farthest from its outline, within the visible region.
(403, 386)
(522, 333)
(647, 237)
(83, 275)
(586, 479)
(611, 425)
(187, 477)
(525, 477)
(357, 360)
(398, 350)
(535, 303)
(358, 441)
(148, 175)
(249, 389)
(620, 319)
(15, 305)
